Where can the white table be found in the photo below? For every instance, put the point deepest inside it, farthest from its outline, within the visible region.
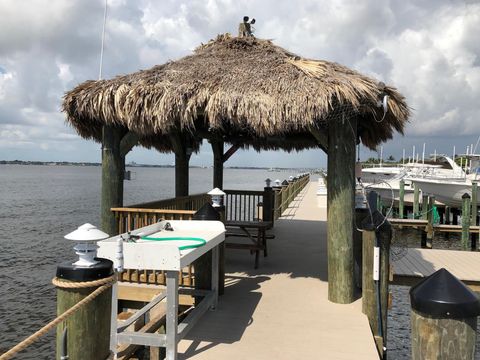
(164, 255)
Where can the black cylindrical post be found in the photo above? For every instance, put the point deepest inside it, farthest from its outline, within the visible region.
(444, 318)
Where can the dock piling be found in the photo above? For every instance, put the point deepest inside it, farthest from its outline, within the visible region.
(401, 200)
(89, 327)
(416, 198)
(443, 318)
(465, 221)
(474, 214)
(430, 218)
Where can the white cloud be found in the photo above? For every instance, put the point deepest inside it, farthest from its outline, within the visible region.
(428, 49)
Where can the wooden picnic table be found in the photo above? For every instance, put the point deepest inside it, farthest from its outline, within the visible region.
(255, 231)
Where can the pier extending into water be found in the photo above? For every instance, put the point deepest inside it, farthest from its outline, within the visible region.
(281, 310)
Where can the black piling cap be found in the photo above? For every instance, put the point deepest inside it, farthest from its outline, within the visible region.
(443, 295)
(101, 270)
(206, 212)
(466, 196)
(284, 182)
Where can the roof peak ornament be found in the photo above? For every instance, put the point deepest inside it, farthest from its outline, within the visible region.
(245, 29)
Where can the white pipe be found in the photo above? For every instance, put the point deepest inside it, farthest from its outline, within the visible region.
(376, 263)
(413, 155)
(403, 158)
(435, 155)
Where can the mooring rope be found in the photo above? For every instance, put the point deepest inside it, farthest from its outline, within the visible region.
(103, 284)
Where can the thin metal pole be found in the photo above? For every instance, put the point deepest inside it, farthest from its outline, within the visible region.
(103, 41)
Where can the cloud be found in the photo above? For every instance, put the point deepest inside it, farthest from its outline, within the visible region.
(429, 50)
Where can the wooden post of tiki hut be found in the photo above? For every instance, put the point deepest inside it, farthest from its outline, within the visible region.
(182, 159)
(217, 149)
(342, 139)
(116, 143)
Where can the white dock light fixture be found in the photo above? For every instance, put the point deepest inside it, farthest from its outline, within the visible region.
(86, 237)
(268, 182)
(217, 197)
(278, 182)
(290, 178)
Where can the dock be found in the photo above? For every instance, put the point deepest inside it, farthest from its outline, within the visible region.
(419, 263)
(281, 310)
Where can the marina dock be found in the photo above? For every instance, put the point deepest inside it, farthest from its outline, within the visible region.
(420, 263)
(281, 309)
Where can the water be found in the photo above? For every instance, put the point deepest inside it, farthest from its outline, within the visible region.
(40, 204)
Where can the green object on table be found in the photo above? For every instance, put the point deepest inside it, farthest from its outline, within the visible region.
(199, 241)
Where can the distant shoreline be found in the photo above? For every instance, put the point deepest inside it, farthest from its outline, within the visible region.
(70, 163)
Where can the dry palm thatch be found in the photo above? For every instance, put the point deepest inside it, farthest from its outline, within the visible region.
(247, 89)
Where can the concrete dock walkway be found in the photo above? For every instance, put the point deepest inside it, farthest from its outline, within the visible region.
(281, 311)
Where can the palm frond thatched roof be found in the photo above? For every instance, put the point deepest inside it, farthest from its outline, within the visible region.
(243, 88)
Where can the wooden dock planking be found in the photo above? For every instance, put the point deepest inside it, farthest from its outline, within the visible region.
(420, 263)
(281, 310)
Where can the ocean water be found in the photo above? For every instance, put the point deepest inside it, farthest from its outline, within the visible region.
(40, 204)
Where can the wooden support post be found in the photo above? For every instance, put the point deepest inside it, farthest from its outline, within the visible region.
(89, 327)
(340, 197)
(447, 215)
(182, 160)
(368, 285)
(416, 198)
(113, 168)
(268, 200)
(454, 216)
(443, 326)
(217, 148)
(474, 214)
(401, 201)
(424, 206)
(430, 218)
(466, 221)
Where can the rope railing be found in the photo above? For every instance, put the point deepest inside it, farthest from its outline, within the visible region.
(103, 284)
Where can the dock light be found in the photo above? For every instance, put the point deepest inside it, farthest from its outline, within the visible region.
(278, 182)
(268, 182)
(217, 197)
(290, 178)
(86, 237)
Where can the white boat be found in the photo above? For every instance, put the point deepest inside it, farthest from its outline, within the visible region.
(441, 167)
(450, 191)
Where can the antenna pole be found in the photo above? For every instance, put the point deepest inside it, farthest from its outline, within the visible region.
(103, 41)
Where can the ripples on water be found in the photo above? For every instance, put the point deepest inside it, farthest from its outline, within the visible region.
(40, 204)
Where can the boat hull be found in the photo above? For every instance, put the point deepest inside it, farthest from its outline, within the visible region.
(448, 193)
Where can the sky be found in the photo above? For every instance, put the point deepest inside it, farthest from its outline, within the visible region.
(427, 49)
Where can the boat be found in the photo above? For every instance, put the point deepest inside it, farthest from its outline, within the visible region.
(437, 168)
(450, 191)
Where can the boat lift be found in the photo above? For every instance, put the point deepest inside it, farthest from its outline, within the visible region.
(170, 246)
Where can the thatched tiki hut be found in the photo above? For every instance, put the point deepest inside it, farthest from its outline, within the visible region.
(245, 92)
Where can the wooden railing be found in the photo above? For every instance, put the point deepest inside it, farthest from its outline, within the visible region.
(191, 202)
(285, 194)
(244, 205)
(131, 218)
